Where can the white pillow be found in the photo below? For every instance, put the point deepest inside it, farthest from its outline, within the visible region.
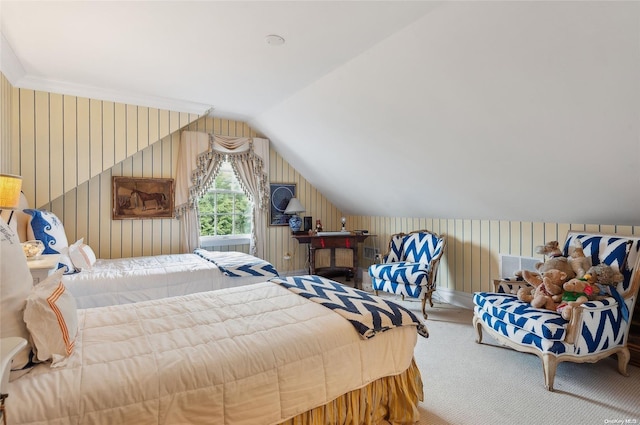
(52, 319)
(82, 255)
(15, 284)
(48, 228)
(65, 261)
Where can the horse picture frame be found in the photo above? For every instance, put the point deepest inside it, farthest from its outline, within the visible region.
(140, 198)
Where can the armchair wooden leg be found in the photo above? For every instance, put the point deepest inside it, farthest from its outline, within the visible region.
(549, 365)
(402, 295)
(424, 305)
(375, 292)
(623, 360)
(477, 324)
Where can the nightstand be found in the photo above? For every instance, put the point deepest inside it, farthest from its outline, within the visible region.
(43, 266)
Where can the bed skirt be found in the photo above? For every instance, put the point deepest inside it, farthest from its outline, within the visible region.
(393, 399)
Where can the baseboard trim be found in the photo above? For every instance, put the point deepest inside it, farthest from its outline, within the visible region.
(457, 298)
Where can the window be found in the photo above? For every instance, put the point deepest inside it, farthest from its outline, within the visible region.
(225, 211)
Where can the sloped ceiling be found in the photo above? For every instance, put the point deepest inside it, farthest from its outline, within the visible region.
(521, 110)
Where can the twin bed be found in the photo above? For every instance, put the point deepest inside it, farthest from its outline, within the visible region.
(128, 280)
(297, 350)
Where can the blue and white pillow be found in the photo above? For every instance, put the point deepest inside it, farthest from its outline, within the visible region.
(47, 227)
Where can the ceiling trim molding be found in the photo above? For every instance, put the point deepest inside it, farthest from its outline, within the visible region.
(53, 86)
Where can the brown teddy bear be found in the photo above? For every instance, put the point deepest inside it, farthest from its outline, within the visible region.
(547, 288)
(576, 292)
(578, 261)
(555, 261)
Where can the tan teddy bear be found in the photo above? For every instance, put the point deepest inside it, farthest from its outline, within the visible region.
(546, 291)
(555, 261)
(576, 293)
(578, 261)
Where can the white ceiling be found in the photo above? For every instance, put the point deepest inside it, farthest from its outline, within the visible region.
(513, 110)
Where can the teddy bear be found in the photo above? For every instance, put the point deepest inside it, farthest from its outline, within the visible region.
(546, 291)
(603, 276)
(576, 292)
(578, 261)
(555, 261)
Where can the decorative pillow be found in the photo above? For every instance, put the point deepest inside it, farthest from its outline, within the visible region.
(65, 262)
(52, 319)
(82, 255)
(15, 284)
(46, 226)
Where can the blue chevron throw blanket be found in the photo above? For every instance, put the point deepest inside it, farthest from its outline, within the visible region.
(367, 313)
(238, 264)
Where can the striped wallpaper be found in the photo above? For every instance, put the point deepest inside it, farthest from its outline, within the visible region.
(67, 149)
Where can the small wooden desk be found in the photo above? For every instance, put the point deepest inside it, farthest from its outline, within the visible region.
(332, 243)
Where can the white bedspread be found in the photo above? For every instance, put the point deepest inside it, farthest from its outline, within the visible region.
(128, 280)
(253, 355)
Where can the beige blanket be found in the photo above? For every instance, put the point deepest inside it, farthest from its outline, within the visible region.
(257, 354)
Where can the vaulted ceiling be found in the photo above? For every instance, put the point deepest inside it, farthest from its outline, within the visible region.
(479, 110)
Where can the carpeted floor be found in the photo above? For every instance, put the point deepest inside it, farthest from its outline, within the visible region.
(477, 384)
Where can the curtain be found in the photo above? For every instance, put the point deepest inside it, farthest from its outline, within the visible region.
(199, 159)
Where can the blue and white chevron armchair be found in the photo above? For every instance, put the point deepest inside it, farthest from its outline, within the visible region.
(597, 329)
(411, 266)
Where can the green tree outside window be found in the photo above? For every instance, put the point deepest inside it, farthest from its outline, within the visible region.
(225, 209)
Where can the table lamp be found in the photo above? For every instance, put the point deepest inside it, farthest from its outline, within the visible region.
(294, 207)
(10, 186)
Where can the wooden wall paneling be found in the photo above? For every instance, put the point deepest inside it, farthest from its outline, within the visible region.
(143, 127)
(154, 125)
(6, 109)
(174, 121)
(27, 144)
(127, 225)
(537, 238)
(104, 216)
(459, 255)
(136, 231)
(41, 171)
(505, 237)
(95, 137)
(69, 215)
(120, 132)
(467, 255)
(82, 205)
(56, 150)
(83, 135)
(70, 143)
(108, 135)
(92, 237)
(115, 242)
(515, 243)
(132, 130)
(494, 247)
(16, 149)
(592, 228)
(484, 256)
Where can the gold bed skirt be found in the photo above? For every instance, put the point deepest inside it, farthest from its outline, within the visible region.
(392, 398)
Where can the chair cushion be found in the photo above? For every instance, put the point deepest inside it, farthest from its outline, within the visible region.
(509, 309)
(402, 272)
(48, 228)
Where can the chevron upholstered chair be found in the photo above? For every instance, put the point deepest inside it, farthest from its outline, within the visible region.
(597, 329)
(410, 267)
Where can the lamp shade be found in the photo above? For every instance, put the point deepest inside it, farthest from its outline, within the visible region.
(10, 186)
(294, 207)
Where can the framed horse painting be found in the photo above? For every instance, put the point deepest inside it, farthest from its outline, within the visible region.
(136, 198)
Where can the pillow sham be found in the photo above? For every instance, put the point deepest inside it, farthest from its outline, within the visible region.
(82, 255)
(46, 226)
(51, 316)
(65, 262)
(15, 284)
